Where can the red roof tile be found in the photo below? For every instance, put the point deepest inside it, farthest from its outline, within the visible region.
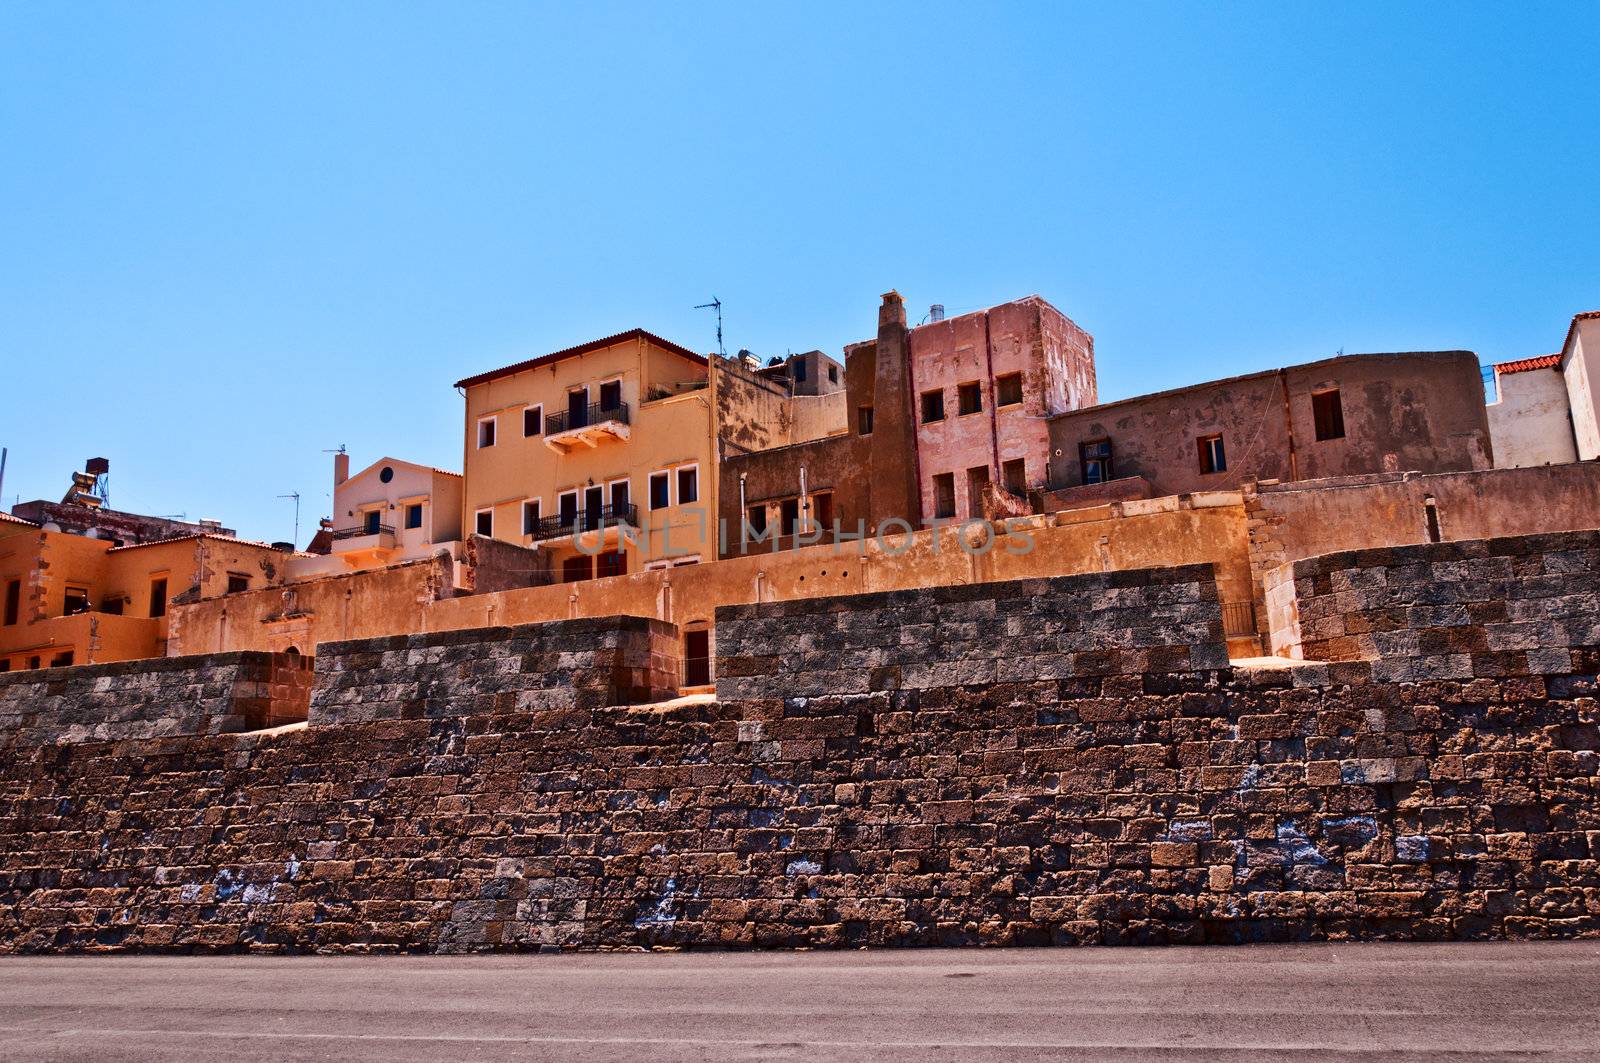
(9, 519)
(1586, 315)
(204, 535)
(582, 348)
(1523, 365)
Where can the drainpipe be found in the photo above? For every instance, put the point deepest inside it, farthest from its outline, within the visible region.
(994, 427)
(1288, 426)
(744, 533)
(805, 502)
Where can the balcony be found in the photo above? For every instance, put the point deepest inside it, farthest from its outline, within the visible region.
(566, 429)
(364, 539)
(606, 521)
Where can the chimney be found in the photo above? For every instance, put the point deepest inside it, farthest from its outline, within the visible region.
(936, 312)
(341, 467)
(893, 310)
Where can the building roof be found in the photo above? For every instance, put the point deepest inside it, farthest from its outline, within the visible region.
(1583, 315)
(386, 460)
(9, 519)
(581, 349)
(1524, 365)
(182, 538)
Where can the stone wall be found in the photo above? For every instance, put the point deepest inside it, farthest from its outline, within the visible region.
(1487, 607)
(153, 698)
(620, 660)
(1106, 623)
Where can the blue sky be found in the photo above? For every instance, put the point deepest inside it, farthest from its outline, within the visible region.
(234, 236)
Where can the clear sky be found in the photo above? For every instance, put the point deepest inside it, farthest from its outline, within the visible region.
(234, 236)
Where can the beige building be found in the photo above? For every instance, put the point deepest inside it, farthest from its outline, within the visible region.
(1529, 420)
(1580, 369)
(390, 512)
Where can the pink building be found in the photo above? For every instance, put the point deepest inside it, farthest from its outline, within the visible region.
(983, 385)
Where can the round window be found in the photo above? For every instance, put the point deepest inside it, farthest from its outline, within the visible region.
(387, 474)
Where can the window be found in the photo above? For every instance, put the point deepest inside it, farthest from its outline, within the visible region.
(577, 408)
(1328, 412)
(621, 499)
(1212, 456)
(484, 522)
(533, 421)
(944, 494)
(755, 520)
(660, 490)
(932, 406)
(1008, 389)
(238, 584)
(611, 563)
(1094, 458)
(485, 432)
(697, 657)
(13, 600)
(61, 660)
(33, 662)
(969, 398)
(977, 480)
(833, 374)
(371, 521)
(577, 569)
(567, 509)
(1014, 474)
(688, 484)
(611, 395)
(112, 606)
(414, 515)
(77, 601)
(822, 509)
(788, 516)
(158, 597)
(530, 516)
(386, 474)
(864, 420)
(799, 370)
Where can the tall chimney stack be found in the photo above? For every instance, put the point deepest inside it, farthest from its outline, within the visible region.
(341, 467)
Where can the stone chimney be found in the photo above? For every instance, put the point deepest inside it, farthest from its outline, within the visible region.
(893, 487)
(341, 467)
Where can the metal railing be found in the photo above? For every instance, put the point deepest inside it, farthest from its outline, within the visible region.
(564, 420)
(358, 532)
(587, 520)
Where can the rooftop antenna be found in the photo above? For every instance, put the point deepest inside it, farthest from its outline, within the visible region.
(339, 450)
(716, 304)
(2, 470)
(296, 496)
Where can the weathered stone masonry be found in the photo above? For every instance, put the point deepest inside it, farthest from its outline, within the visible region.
(1089, 804)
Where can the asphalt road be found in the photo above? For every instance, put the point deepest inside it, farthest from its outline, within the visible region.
(1290, 1002)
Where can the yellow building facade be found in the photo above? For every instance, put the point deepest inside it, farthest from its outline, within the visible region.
(602, 455)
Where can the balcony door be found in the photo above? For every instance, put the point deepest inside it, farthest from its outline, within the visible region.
(594, 501)
(578, 408)
(569, 509)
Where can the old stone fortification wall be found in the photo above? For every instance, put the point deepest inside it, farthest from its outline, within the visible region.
(1065, 804)
(1487, 607)
(619, 660)
(153, 698)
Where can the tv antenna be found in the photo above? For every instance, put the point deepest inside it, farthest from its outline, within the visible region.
(296, 496)
(716, 304)
(339, 450)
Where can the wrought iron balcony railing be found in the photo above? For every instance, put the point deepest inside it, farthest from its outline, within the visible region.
(587, 520)
(565, 420)
(364, 529)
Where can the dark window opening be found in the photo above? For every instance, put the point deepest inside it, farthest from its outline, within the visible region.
(112, 606)
(1212, 456)
(372, 521)
(697, 657)
(386, 474)
(567, 509)
(833, 374)
(33, 662)
(77, 601)
(533, 421)
(688, 485)
(1328, 413)
(13, 600)
(621, 497)
(977, 480)
(1008, 389)
(788, 516)
(238, 584)
(577, 569)
(864, 420)
(486, 433)
(969, 398)
(530, 516)
(1430, 512)
(944, 495)
(660, 490)
(61, 660)
(578, 408)
(594, 505)
(414, 515)
(1014, 473)
(755, 520)
(799, 370)
(1094, 457)
(611, 563)
(822, 510)
(932, 406)
(158, 597)
(485, 522)
(611, 395)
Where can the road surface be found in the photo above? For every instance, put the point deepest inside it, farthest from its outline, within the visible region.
(1273, 1002)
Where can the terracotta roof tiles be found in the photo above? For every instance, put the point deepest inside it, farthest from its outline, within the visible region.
(582, 348)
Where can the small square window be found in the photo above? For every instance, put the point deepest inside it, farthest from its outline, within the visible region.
(1008, 389)
(864, 420)
(1328, 413)
(533, 421)
(77, 601)
(61, 660)
(238, 584)
(414, 515)
(688, 484)
(1015, 475)
(660, 490)
(1212, 456)
(932, 406)
(969, 398)
(833, 374)
(486, 433)
(1094, 458)
(485, 523)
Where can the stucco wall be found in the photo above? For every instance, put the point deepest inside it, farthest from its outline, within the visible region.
(1417, 411)
(1530, 423)
(1580, 367)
